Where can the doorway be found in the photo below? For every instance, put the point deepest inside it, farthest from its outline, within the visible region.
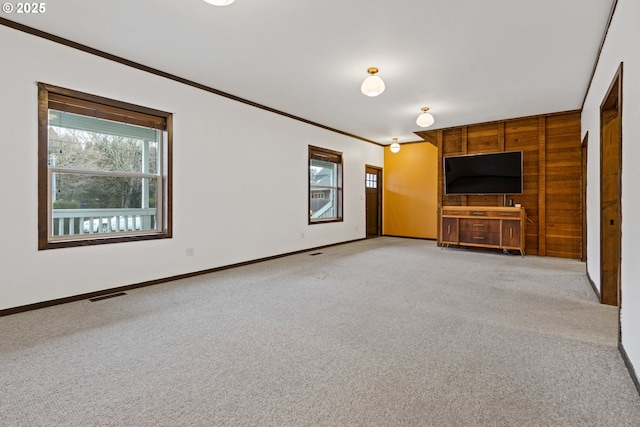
(373, 197)
(610, 192)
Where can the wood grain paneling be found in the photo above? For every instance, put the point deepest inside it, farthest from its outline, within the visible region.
(563, 169)
(552, 175)
(483, 139)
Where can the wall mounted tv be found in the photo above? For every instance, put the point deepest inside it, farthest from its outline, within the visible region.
(493, 173)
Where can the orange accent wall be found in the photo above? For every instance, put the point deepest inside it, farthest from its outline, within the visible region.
(410, 197)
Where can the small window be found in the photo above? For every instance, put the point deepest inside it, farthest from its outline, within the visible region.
(104, 170)
(325, 185)
(371, 180)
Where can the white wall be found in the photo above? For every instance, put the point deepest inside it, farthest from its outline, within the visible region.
(239, 190)
(621, 45)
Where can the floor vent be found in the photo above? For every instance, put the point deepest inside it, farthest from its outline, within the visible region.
(119, 294)
(315, 253)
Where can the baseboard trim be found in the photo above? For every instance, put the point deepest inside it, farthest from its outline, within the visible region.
(593, 286)
(410, 237)
(89, 295)
(630, 368)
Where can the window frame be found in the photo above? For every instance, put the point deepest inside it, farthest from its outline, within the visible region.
(323, 154)
(110, 109)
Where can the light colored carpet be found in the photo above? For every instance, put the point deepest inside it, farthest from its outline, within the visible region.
(382, 332)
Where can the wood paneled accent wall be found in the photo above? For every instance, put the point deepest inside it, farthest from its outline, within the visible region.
(552, 192)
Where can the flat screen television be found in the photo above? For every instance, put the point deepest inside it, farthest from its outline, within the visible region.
(493, 173)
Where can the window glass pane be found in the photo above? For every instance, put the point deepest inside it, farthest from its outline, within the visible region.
(82, 142)
(99, 204)
(323, 173)
(371, 180)
(322, 203)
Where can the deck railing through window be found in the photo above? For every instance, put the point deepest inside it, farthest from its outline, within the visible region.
(68, 222)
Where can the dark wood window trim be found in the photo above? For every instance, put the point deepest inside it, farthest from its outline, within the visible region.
(101, 107)
(317, 153)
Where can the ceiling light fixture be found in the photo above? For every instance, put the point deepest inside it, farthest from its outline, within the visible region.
(425, 119)
(395, 147)
(220, 2)
(372, 85)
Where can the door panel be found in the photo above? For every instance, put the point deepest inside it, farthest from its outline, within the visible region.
(610, 207)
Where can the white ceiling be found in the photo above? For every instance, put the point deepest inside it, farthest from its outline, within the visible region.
(470, 61)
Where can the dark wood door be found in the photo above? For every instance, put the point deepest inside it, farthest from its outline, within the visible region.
(610, 194)
(373, 196)
(610, 209)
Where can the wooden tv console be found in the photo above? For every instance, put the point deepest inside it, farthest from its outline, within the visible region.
(489, 227)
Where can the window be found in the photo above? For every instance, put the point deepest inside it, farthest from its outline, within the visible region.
(371, 180)
(104, 170)
(325, 185)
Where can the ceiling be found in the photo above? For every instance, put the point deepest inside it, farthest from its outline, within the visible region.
(470, 61)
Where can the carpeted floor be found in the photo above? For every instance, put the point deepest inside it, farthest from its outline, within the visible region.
(382, 332)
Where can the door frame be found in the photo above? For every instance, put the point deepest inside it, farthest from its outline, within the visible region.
(583, 198)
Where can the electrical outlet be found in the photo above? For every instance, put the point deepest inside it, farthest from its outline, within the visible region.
(302, 235)
(190, 252)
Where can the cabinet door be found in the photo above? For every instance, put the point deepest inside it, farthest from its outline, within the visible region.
(511, 234)
(449, 230)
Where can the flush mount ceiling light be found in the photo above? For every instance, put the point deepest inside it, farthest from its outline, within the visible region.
(372, 85)
(220, 2)
(395, 147)
(425, 119)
